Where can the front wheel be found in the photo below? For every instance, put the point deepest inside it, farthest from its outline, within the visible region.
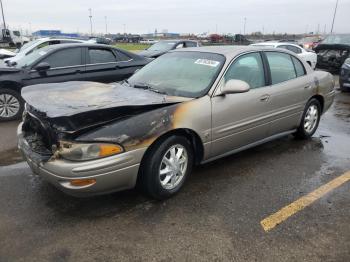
(11, 105)
(166, 167)
(310, 119)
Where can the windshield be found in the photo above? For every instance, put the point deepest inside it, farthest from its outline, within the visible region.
(162, 46)
(31, 58)
(337, 39)
(187, 74)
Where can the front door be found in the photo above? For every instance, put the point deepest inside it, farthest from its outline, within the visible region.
(65, 65)
(243, 118)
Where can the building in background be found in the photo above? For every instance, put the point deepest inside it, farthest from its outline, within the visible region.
(54, 33)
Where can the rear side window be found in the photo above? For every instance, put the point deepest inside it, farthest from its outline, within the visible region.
(281, 67)
(248, 68)
(65, 57)
(101, 56)
(294, 49)
(299, 68)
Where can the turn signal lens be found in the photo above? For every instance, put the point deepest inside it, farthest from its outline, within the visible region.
(108, 150)
(82, 182)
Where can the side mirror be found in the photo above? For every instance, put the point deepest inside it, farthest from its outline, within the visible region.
(42, 67)
(234, 86)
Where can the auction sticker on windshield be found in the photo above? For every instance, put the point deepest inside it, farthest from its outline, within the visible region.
(207, 62)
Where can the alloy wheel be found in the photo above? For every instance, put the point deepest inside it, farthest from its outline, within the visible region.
(9, 105)
(311, 118)
(173, 167)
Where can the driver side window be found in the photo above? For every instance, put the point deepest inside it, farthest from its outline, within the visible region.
(248, 68)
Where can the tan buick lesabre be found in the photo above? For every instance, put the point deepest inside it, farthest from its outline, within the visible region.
(187, 107)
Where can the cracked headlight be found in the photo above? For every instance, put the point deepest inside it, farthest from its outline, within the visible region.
(83, 152)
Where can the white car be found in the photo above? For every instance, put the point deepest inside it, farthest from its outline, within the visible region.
(309, 56)
(148, 41)
(29, 47)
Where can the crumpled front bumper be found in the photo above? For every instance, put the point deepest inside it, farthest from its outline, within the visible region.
(114, 173)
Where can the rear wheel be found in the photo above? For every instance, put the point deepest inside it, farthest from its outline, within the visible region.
(310, 119)
(11, 105)
(166, 167)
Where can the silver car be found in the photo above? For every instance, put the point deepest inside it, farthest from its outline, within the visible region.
(188, 107)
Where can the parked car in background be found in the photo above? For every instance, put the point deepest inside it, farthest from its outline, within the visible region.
(310, 42)
(148, 41)
(60, 63)
(332, 52)
(100, 40)
(344, 76)
(309, 56)
(162, 47)
(31, 46)
(12, 38)
(189, 106)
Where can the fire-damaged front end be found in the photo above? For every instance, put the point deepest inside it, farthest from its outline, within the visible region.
(91, 144)
(332, 56)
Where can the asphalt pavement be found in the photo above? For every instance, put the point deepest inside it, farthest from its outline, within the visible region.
(216, 217)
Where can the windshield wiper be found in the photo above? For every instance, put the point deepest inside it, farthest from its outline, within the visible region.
(148, 87)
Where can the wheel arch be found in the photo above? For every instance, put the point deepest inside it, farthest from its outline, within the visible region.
(320, 99)
(11, 85)
(191, 135)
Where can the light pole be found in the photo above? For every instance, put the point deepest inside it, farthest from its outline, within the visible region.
(245, 21)
(90, 16)
(3, 16)
(106, 23)
(335, 12)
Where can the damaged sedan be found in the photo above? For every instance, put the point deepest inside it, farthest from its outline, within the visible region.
(189, 106)
(332, 52)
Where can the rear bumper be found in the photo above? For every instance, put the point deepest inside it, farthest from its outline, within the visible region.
(328, 100)
(111, 174)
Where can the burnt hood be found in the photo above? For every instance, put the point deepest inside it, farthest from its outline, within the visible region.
(71, 98)
(332, 46)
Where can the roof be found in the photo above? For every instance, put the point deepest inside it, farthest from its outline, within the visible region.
(177, 40)
(83, 44)
(228, 51)
(274, 44)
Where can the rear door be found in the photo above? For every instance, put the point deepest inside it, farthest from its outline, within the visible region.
(65, 65)
(290, 88)
(107, 65)
(243, 118)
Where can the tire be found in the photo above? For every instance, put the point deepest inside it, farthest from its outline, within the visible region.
(11, 105)
(310, 120)
(155, 184)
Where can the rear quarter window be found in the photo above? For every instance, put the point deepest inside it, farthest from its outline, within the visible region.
(299, 68)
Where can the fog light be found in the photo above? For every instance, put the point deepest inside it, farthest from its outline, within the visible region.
(82, 182)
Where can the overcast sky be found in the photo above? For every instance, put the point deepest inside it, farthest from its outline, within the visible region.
(183, 16)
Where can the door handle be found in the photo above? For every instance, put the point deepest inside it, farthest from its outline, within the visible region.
(265, 98)
(78, 71)
(308, 86)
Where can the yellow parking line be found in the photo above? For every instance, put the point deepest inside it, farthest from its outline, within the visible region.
(273, 220)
